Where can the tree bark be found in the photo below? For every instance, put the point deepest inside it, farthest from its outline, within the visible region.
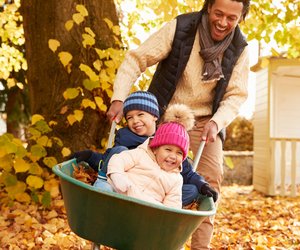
(48, 79)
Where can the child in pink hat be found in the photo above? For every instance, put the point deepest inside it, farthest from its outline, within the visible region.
(151, 172)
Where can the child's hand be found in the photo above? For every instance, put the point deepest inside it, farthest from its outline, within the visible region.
(82, 155)
(207, 190)
(120, 182)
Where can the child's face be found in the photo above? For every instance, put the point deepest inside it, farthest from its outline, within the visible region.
(168, 157)
(141, 123)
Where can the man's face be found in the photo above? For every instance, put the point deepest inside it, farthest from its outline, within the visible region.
(223, 17)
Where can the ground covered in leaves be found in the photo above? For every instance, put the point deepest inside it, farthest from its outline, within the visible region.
(246, 219)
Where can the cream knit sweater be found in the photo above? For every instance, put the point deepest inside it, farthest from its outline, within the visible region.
(190, 90)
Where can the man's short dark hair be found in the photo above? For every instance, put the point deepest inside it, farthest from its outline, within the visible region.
(246, 5)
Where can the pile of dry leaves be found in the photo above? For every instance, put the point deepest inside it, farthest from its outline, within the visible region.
(245, 220)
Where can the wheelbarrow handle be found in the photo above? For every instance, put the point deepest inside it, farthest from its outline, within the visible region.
(111, 134)
(198, 155)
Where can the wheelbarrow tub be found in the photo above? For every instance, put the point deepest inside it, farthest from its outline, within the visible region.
(123, 222)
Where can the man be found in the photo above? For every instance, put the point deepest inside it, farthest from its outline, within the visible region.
(203, 63)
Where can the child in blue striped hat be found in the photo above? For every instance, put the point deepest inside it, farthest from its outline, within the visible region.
(141, 112)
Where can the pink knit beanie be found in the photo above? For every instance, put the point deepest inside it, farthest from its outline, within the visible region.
(174, 134)
(173, 131)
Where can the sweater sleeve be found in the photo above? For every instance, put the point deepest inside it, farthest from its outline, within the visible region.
(152, 51)
(236, 92)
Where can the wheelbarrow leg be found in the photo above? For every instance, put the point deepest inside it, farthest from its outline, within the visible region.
(95, 246)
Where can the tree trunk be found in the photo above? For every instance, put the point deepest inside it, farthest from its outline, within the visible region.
(48, 79)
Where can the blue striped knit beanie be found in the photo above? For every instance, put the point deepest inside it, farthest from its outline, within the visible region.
(141, 100)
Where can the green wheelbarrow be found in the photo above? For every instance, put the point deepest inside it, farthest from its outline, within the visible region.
(122, 222)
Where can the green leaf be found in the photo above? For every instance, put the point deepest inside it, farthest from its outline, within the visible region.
(43, 126)
(9, 179)
(46, 199)
(6, 162)
(38, 151)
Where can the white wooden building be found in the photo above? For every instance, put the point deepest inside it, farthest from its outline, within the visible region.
(276, 161)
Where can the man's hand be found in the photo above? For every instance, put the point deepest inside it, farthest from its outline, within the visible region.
(209, 191)
(210, 132)
(115, 111)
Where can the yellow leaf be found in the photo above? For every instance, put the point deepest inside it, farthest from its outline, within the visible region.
(18, 188)
(82, 10)
(11, 82)
(35, 118)
(105, 85)
(35, 169)
(65, 152)
(110, 64)
(89, 31)
(71, 93)
(116, 30)
(97, 65)
(20, 85)
(65, 57)
(99, 102)
(53, 44)
(229, 162)
(44, 141)
(89, 72)
(101, 53)
(108, 22)
(52, 186)
(136, 41)
(21, 166)
(71, 119)
(23, 197)
(50, 161)
(90, 85)
(109, 92)
(34, 181)
(69, 25)
(88, 103)
(87, 40)
(78, 18)
(52, 123)
(78, 115)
